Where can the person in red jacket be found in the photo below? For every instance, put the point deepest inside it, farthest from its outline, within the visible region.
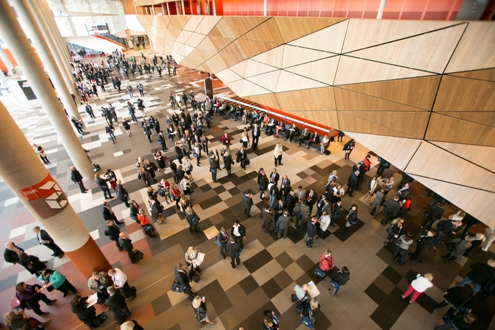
(326, 261)
(226, 139)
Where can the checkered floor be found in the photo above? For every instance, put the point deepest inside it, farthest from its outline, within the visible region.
(270, 267)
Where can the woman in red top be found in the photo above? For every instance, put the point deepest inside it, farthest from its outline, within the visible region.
(176, 193)
(326, 261)
(145, 223)
(226, 139)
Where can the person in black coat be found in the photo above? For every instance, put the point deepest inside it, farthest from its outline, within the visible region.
(87, 315)
(116, 303)
(45, 239)
(233, 249)
(227, 160)
(126, 244)
(108, 214)
(423, 242)
(480, 274)
(392, 208)
(256, 136)
(183, 279)
(32, 263)
(455, 297)
(435, 213)
(352, 183)
(311, 198)
(102, 183)
(242, 157)
(310, 232)
(290, 202)
(247, 203)
(11, 253)
(459, 322)
(113, 233)
(76, 177)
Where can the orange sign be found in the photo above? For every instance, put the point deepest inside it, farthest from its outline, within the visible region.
(46, 197)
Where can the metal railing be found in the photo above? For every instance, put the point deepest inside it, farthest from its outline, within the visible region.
(304, 124)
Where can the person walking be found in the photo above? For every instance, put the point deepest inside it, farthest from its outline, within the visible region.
(129, 90)
(238, 232)
(76, 177)
(247, 203)
(351, 218)
(122, 193)
(283, 223)
(54, 279)
(419, 285)
(45, 239)
(348, 147)
(233, 249)
(338, 280)
(109, 130)
(405, 242)
(126, 244)
(113, 233)
(221, 240)
(422, 244)
(41, 152)
(182, 278)
(117, 305)
(199, 306)
(310, 232)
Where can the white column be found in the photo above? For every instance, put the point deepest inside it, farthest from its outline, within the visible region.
(6, 60)
(380, 9)
(153, 9)
(163, 8)
(168, 9)
(215, 9)
(183, 9)
(264, 7)
(24, 54)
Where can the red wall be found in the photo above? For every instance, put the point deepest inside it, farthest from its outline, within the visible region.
(394, 9)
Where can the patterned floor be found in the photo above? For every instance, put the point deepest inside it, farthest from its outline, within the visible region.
(270, 267)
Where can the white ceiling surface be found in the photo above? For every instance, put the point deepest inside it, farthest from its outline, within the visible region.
(93, 43)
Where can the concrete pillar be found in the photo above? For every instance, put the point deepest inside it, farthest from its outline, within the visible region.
(29, 22)
(35, 188)
(6, 60)
(59, 54)
(27, 60)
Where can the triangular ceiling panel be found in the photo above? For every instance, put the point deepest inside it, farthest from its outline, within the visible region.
(240, 68)
(178, 22)
(272, 57)
(183, 36)
(236, 86)
(227, 76)
(195, 39)
(188, 49)
(255, 68)
(207, 24)
(295, 27)
(486, 74)
(415, 92)
(248, 88)
(329, 39)
(482, 156)
(163, 21)
(288, 103)
(290, 82)
(234, 27)
(352, 101)
(297, 55)
(219, 43)
(193, 23)
(370, 32)
(387, 146)
(429, 51)
(269, 99)
(267, 32)
(479, 117)
(354, 70)
(251, 48)
(268, 80)
(322, 70)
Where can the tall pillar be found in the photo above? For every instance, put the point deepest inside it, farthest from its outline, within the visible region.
(381, 8)
(29, 22)
(35, 188)
(6, 59)
(27, 60)
(59, 54)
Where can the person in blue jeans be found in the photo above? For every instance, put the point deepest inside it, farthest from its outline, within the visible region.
(480, 275)
(405, 242)
(338, 280)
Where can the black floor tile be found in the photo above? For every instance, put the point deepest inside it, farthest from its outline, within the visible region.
(375, 293)
(392, 275)
(161, 304)
(284, 260)
(340, 234)
(426, 302)
(219, 189)
(234, 191)
(249, 284)
(221, 303)
(271, 288)
(306, 263)
(212, 290)
(263, 257)
(393, 309)
(283, 279)
(252, 264)
(382, 319)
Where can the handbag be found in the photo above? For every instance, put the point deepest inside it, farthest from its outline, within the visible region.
(307, 322)
(319, 272)
(176, 287)
(398, 241)
(195, 154)
(195, 276)
(15, 302)
(217, 242)
(247, 162)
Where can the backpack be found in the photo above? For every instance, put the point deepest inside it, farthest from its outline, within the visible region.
(441, 224)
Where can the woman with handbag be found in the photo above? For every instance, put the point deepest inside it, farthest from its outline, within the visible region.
(164, 190)
(193, 219)
(175, 194)
(351, 218)
(419, 285)
(156, 210)
(393, 231)
(199, 307)
(134, 211)
(403, 243)
(242, 158)
(189, 256)
(309, 313)
(326, 261)
(144, 222)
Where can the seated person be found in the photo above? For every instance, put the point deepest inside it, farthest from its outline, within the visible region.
(271, 126)
(291, 133)
(279, 128)
(325, 142)
(314, 139)
(304, 135)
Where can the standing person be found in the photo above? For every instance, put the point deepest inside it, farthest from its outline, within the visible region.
(132, 111)
(338, 280)
(127, 127)
(161, 141)
(52, 278)
(30, 295)
(456, 297)
(348, 147)
(140, 88)
(302, 213)
(392, 208)
(310, 232)
(108, 214)
(183, 279)
(336, 213)
(326, 261)
(76, 177)
(41, 152)
(267, 218)
(393, 231)
(129, 90)
(11, 253)
(340, 136)
(32, 263)
(222, 239)
(238, 232)
(419, 285)
(324, 222)
(86, 313)
(77, 124)
(109, 130)
(489, 238)
(242, 158)
(247, 203)
(480, 275)
(405, 242)
(377, 202)
(423, 242)
(89, 110)
(277, 154)
(444, 228)
(233, 250)
(116, 303)
(311, 198)
(256, 136)
(352, 217)
(227, 161)
(199, 307)
(45, 239)
(283, 223)
(352, 183)
(193, 219)
(113, 233)
(98, 283)
(434, 213)
(122, 193)
(126, 244)
(460, 321)
(131, 325)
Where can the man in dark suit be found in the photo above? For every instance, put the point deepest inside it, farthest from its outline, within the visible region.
(256, 136)
(11, 253)
(290, 202)
(183, 279)
(293, 132)
(311, 198)
(247, 203)
(423, 242)
(352, 182)
(108, 214)
(223, 239)
(76, 177)
(116, 303)
(278, 210)
(310, 232)
(274, 176)
(113, 233)
(233, 252)
(46, 240)
(126, 244)
(285, 187)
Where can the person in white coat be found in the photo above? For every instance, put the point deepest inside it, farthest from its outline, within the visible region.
(277, 154)
(489, 238)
